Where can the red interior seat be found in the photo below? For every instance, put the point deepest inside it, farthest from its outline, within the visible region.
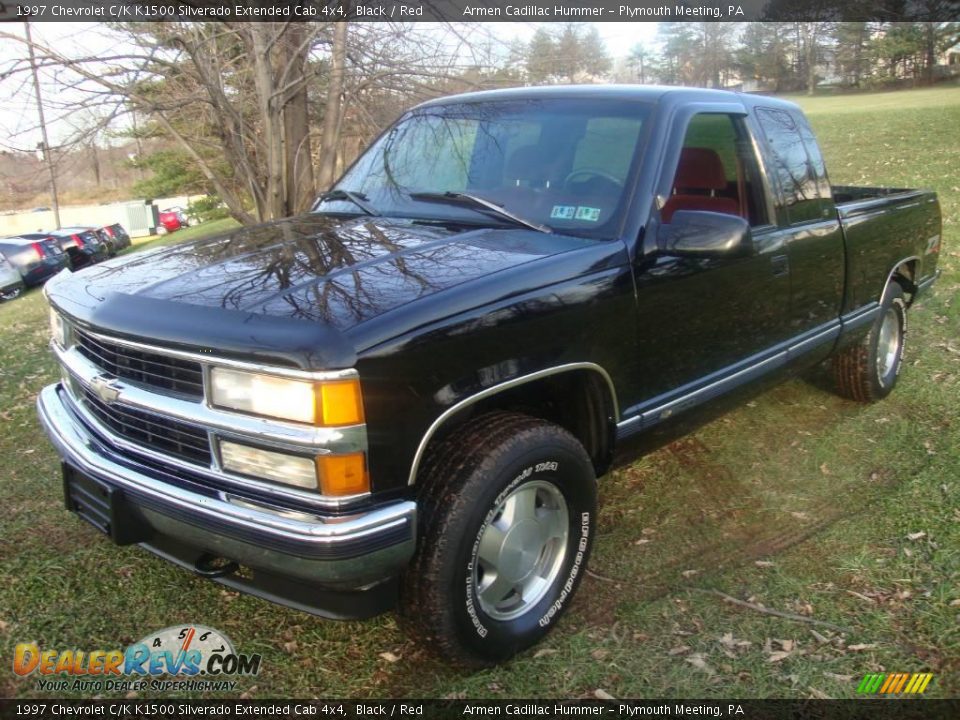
(700, 175)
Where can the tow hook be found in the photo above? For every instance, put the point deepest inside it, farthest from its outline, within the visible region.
(213, 566)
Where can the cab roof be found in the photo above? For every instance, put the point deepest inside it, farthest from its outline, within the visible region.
(638, 93)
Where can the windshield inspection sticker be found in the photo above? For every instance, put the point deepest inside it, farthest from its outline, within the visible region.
(563, 212)
(588, 213)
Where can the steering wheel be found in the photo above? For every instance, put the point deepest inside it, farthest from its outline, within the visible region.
(589, 172)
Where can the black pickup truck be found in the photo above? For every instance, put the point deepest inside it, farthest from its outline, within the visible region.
(405, 397)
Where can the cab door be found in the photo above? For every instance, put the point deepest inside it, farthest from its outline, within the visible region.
(814, 238)
(706, 324)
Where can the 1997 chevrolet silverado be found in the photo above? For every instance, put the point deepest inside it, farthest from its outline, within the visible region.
(406, 396)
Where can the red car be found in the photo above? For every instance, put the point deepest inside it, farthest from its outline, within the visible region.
(173, 219)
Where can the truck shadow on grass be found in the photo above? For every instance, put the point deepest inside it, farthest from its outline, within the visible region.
(735, 484)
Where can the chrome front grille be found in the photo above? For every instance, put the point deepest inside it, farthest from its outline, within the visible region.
(147, 401)
(156, 432)
(143, 367)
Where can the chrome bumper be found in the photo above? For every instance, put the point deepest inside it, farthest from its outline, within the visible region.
(334, 551)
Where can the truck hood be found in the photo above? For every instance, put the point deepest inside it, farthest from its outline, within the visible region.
(305, 290)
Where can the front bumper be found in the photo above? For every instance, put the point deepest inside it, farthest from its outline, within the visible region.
(332, 565)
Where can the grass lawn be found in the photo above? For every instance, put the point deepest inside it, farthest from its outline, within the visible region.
(191, 233)
(797, 501)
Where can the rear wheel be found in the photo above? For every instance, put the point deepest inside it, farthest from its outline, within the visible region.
(868, 370)
(507, 523)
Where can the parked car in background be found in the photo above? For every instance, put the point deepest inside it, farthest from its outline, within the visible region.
(36, 259)
(120, 237)
(11, 284)
(173, 219)
(82, 244)
(84, 231)
(107, 241)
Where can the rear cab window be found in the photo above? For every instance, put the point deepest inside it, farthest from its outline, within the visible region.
(798, 165)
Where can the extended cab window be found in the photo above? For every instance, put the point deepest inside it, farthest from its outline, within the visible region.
(717, 171)
(801, 182)
(563, 163)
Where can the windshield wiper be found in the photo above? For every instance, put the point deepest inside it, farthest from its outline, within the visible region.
(478, 203)
(357, 198)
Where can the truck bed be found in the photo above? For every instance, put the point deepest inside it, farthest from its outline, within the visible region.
(883, 227)
(843, 194)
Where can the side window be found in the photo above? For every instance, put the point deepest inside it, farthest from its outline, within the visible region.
(717, 171)
(817, 165)
(795, 170)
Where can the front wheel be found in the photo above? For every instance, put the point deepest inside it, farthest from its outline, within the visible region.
(868, 371)
(507, 523)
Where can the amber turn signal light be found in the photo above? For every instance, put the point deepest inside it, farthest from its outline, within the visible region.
(340, 403)
(343, 474)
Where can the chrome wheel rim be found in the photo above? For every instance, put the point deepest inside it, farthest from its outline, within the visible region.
(520, 550)
(888, 343)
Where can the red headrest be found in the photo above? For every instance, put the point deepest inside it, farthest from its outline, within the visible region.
(700, 169)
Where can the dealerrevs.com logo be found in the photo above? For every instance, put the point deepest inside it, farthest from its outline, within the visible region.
(183, 652)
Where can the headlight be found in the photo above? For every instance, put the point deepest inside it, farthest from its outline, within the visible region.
(58, 329)
(280, 467)
(318, 403)
(332, 475)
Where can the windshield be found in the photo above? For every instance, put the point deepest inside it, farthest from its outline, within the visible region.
(560, 163)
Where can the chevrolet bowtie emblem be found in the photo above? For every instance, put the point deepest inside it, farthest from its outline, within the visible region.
(106, 388)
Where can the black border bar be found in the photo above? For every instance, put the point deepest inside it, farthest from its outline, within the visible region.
(479, 10)
(170, 709)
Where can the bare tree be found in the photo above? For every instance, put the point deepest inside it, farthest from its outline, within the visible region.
(248, 103)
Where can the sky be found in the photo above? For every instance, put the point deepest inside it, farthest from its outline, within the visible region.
(18, 114)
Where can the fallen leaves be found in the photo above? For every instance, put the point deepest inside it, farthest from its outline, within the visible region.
(700, 663)
(861, 647)
(822, 639)
(390, 657)
(838, 677)
(861, 596)
(731, 643)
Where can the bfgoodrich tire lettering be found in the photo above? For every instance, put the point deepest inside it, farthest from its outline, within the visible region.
(529, 486)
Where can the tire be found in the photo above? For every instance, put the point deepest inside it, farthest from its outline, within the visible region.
(508, 501)
(11, 294)
(868, 371)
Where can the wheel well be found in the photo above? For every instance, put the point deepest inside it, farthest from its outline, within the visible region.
(580, 401)
(905, 275)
